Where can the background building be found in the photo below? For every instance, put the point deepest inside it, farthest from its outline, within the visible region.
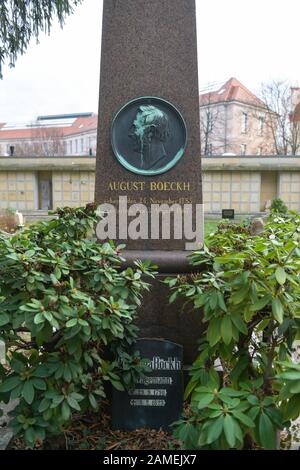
(234, 121)
(66, 134)
(44, 164)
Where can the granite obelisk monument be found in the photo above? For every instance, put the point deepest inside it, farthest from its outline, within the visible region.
(148, 151)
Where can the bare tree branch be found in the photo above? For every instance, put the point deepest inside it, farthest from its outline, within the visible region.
(284, 130)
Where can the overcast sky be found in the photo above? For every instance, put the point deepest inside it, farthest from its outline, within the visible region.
(252, 40)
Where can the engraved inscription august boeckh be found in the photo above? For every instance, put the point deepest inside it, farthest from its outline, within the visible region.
(150, 185)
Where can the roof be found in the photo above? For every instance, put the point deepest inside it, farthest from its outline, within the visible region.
(63, 116)
(38, 129)
(232, 90)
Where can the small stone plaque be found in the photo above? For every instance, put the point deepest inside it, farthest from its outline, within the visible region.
(228, 214)
(156, 400)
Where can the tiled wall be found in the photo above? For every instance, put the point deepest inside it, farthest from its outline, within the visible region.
(234, 190)
(73, 188)
(221, 190)
(17, 190)
(289, 189)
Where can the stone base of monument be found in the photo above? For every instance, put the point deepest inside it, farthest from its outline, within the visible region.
(176, 322)
(169, 337)
(157, 318)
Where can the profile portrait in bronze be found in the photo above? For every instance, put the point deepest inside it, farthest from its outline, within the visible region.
(148, 136)
(150, 132)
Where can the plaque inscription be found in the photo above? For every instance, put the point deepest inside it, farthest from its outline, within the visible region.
(157, 398)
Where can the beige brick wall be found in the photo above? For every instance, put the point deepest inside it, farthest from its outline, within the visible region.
(243, 191)
(17, 190)
(73, 188)
(231, 190)
(289, 189)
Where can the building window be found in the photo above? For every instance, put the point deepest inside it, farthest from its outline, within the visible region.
(260, 125)
(244, 123)
(76, 146)
(81, 145)
(259, 151)
(243, 149)
(209, 149)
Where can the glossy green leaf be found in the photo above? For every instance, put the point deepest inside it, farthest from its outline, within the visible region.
(215, 430)
(239, 323)
(93, 401)
(117, 385)
(4, 319)
(290, 375)
(243, 418)
(280, 275)
(295, 388)
(9, 384)
(39, 318)
(73, 403)
(44, 405)
(39, 384)
(229, 430)
(226, 329)
(28, 392)
(187, 433)
(203, 399)
(221, 302)
(189, 389)
(261, 303)
(65, 411)
(267, 433)
(292, 408)
(214, 331)
(277, 310)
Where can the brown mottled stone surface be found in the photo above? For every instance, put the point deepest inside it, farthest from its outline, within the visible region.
(149, 48)
(175, 322)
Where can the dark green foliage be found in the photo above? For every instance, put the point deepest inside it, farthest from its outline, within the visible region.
(248, 292)
(22, 20)
(279, 206)
(66, 316)
(290, 392)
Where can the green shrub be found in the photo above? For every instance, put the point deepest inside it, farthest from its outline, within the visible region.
(243, 385)
(279, 206)
(66, 316)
